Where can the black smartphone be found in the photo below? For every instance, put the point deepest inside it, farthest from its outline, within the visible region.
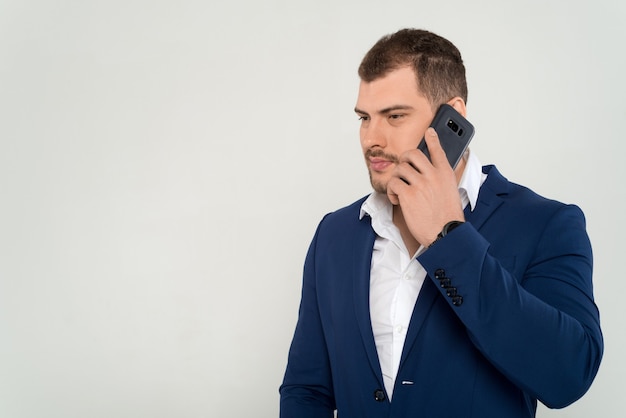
(454, 131)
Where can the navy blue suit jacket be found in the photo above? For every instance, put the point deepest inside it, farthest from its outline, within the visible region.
(527, 328)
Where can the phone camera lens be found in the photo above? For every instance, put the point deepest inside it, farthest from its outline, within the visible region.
(452, 125)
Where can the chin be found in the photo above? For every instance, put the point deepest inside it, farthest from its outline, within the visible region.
(378, 185)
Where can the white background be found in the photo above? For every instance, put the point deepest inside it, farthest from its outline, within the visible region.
(163, 166)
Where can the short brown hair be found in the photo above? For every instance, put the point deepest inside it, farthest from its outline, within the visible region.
(435, 60)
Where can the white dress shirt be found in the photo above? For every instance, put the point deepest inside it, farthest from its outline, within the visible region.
(396, 278)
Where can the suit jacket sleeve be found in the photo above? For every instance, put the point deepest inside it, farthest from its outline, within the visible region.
(307, 390)
(529, 308)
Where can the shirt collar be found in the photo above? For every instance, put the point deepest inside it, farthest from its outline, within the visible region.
(377, 204)
(471, 180)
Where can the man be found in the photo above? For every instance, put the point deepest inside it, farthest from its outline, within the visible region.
(444, 293)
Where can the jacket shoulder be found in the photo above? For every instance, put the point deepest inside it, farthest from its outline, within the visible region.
(344, 216)
(523, 198)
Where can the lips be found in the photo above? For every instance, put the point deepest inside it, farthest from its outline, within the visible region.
(379, 164)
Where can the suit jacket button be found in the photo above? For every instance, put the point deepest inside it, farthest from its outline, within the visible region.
(379, 395)
(457, 300)
(451, 292)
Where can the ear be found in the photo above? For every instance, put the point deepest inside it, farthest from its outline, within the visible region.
(459, 105)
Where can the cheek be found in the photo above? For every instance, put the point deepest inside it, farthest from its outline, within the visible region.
(409, 139)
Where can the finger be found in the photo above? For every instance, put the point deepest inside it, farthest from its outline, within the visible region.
(407, 172)
(416, 159)
(395, 187)
(393, 198)
(437, 154)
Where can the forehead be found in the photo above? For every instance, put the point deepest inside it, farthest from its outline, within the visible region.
(398, 87)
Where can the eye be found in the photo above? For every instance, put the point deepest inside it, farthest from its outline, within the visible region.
(395, 116)
(363, 118)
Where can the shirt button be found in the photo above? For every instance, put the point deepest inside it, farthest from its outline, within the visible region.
(399, 329)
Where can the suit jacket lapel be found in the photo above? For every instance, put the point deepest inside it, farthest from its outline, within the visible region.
(362, 259)
(488, 198)
(426, 298)
(488, 201)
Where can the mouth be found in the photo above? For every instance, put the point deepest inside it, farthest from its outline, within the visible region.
(379, 164)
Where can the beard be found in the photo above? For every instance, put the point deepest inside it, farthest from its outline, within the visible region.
(378, 185)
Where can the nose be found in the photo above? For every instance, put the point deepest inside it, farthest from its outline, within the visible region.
(373, 135)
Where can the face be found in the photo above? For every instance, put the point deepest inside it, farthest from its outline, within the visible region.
(394, 117)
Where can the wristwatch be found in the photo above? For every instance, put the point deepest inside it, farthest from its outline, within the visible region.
(447, 228)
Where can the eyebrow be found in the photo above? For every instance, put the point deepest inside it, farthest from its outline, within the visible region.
(386, 110)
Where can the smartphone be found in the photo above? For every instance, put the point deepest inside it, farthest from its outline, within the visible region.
(454, 131)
